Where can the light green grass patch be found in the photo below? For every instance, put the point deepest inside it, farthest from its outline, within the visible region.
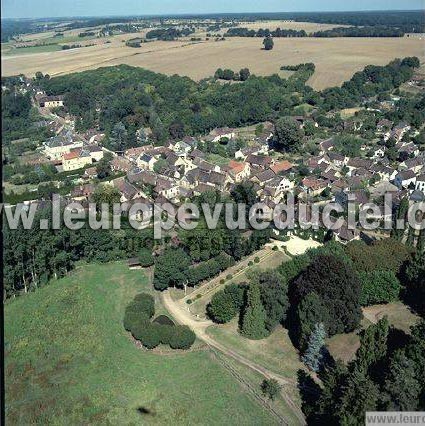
(69, 361)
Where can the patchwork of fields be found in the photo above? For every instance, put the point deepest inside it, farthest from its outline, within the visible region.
(336, 59)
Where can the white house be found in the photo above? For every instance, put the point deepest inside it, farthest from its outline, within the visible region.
(420, 183)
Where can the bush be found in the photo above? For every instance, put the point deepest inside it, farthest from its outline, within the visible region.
(142, 308)
(250, 263)
(222, 281)
(257, 259)
(182, 337)
(146, 258)
(275, 248)
(229, 277)
(270, 388)
(189, 301)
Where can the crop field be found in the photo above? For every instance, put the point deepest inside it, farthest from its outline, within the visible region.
(68, 360)
(336, 59)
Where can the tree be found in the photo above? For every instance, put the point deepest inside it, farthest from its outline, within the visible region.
(313, 356)
(415, 288)
(288, 134)
(171, 269)
(310, 311)
(268, 43)
(146, 258)
(402, 384)
(106, 194)
(270, 388)
(338, 286)
(244, 74)
(274, 297)
(254, 317)
(373, 346)
(359, 394)
(379, 287)
(221, 308)
(103, 167)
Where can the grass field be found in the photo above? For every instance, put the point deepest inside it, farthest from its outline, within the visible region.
(336, 59)
(69, 361)
(276, 352)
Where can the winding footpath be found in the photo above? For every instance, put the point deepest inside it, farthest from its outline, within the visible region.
(182, 315)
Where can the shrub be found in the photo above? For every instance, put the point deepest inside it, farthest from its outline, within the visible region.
(250, 263)
(229, 277)
(146, 258)
(270, 388)
(182, 337)
(257, 259)
(222, 281)
(189, 301)
(275, 248)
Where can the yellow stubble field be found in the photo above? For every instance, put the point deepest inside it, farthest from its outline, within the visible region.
(336, 59)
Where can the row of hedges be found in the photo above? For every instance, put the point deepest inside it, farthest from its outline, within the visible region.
(137, 320)
(210, 268)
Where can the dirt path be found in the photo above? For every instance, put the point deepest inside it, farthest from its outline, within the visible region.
(182, 315)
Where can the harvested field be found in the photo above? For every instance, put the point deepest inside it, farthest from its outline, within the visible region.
(308, 27)
(336, 59)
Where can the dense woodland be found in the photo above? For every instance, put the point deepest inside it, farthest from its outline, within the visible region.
(407, 21)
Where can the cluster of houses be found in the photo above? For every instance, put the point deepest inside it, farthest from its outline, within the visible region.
(180, 170)
(70, 153)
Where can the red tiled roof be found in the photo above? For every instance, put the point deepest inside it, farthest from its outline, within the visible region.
(282, 166)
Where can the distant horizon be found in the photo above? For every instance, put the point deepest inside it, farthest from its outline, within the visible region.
(171, 15)
(51, 9)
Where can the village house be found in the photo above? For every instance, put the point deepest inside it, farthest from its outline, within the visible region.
(416, 164)
(95, 151)
(51, 101)
(121, 164)
(75, 160)
(146, 162)
(90, 173)
(57, 146)
(258, 160)
(326, 145)
(313, 186)
(409, 148)
(420, 183)
(383, 126)
(239, 171)
(281, 167)
(217, 135)
(83, 192)
(405, 178)
(133, 154)
(127, 190)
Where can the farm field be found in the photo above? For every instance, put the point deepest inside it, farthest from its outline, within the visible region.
(308, 27)
(69, 360)
(336, 59)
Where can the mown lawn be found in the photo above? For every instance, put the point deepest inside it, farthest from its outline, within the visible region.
(69, 361)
